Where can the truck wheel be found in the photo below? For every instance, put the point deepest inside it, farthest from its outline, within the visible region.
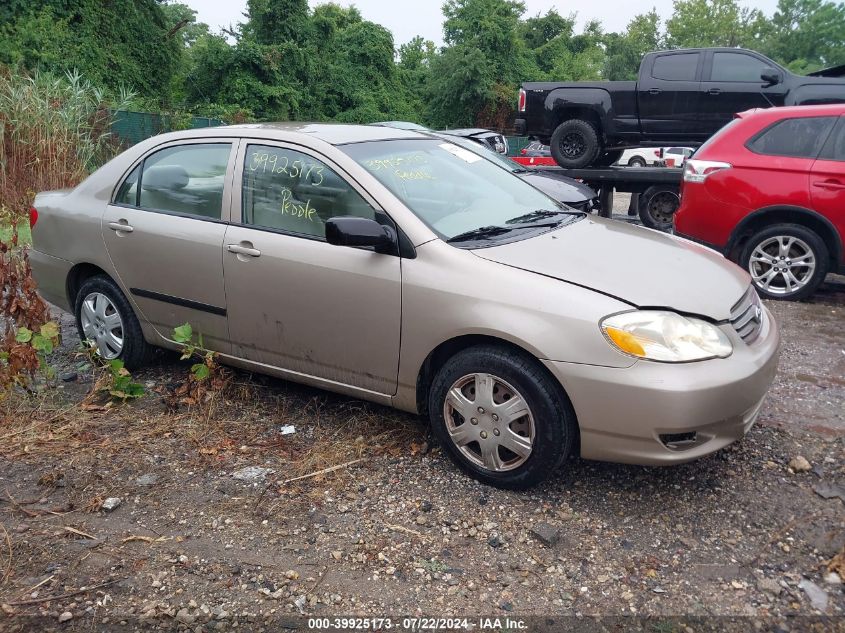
(636, 161)
(575, 144)
(658, 204)
(786, 261)
(609, 158)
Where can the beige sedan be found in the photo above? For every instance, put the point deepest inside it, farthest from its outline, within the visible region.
(403, 269)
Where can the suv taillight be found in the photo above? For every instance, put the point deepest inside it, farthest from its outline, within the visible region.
(698, 170)
(521, 100)
(33, 216)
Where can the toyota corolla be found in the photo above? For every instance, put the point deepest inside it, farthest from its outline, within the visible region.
(403, 269)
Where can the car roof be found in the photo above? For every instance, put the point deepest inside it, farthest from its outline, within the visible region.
(332, 133)
(791, 112)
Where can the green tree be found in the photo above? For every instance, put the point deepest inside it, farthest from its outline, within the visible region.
(700, 23)
(626, 50)
(277, 21)
(806, 35)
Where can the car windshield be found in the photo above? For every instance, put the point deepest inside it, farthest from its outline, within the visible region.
(456, 192)
(488, 154)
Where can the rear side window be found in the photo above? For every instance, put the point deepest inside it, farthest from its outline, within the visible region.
(679, 67)
(799, 138)
(834, 149)
(736, 67)
(292, 192)
(183, 180)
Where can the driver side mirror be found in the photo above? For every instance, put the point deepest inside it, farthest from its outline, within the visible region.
(771, 76)
(352, 231)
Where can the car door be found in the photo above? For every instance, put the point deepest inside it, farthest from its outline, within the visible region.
(294, 301)
(164, 233)
(732, 84)
(668, 95)
(827, 180)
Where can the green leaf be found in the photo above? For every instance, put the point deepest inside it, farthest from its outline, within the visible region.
(116, 365)
(50, 330)
(200, 371)
(42, 344)
(183, 333)
(24, 335)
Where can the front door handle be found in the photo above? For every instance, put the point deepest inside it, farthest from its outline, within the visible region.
(714, 91)
(833, 185)
(244, 248)
(654, 91)
(122, 226)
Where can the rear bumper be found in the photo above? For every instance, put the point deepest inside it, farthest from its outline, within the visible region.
(51, 274)
(660, 414)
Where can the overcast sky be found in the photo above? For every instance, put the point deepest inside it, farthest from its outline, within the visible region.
(424, 17)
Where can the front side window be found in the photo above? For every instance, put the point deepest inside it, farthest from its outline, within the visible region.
(185, 180)
(292, 192)
(453, 190)
(678, 67)
(736, 67)
(800, 138)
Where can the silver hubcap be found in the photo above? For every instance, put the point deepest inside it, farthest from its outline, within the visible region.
(102, 325)
(489, 421)
(782, 265)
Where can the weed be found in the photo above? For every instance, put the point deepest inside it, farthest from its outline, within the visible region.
(206, 376)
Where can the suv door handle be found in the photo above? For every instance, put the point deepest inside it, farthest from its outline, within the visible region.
(244, 248)
(654, 91)
(829, 184)
(714, 91)
(122, 226)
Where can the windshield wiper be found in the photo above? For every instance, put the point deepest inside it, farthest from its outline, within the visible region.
(538, 215)
(480, 233)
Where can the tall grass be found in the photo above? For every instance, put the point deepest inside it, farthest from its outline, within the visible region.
(53, 132)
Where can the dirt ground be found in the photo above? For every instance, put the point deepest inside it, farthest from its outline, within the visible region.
(197, 542)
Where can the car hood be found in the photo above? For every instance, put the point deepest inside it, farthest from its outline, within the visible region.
(561, 188)
(645, 268)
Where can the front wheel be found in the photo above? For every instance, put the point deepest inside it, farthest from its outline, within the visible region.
(786, 261)
(575, 144)
(501, 417)
(636, 161)
(106, 320)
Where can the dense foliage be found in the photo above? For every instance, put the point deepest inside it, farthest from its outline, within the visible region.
(289, 61)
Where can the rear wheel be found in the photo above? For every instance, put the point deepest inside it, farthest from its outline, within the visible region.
(105, 319)
(636, 161)
(786, 261)
(575, 144)
(501, 417)
(657, 207)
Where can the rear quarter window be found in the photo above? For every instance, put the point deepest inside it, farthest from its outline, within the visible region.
(801, 137)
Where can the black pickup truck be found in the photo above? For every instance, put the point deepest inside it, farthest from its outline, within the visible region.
(681, 98)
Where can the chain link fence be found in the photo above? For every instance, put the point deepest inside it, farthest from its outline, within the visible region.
(133, 127)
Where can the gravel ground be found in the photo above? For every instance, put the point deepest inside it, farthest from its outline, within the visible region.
(198, 542)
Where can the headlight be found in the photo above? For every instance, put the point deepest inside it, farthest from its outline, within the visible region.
(665, 336)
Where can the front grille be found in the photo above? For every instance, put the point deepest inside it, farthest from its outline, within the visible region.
(747, 316)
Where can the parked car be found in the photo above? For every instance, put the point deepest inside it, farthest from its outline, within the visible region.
(681, 98)
(535, 154)
(565, 190)
(675, 156)
(487, 138)
(640, 157)
(404, 269)
(535, 148)
(768, 191)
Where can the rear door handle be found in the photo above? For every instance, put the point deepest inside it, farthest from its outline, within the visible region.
(122, 226)
(714, 91)
(829, 184)
(654, 91)
(244, 248)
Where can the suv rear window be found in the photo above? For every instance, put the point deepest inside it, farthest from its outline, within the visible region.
(799, 138)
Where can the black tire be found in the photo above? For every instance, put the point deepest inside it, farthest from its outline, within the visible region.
(575, 144)
(636, 161)
(778, 288)
(555, 427)
(608, 158)
(136, 350)
(657, 206)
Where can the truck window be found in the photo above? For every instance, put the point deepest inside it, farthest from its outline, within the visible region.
(678, 67)
(736, 67)
(799, 138)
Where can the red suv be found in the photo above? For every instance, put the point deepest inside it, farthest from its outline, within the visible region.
(768, 191)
